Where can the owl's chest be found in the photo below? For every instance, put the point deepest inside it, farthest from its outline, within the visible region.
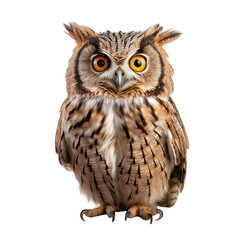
(114, 130)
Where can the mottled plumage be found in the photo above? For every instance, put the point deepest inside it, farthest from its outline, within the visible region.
(119, 130)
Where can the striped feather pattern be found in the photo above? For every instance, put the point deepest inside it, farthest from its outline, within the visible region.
(144, 167)
(126, 146)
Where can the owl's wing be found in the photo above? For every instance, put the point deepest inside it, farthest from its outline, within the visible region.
(60, 142)
(177, 143)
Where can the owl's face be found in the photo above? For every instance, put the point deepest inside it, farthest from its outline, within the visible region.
(120, 64)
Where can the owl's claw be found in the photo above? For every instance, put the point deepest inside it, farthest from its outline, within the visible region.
(127, 215)
(83, 212)
(110, 212)
(101, 210)
(151, 218)
(113, 217)
(160, 212)
(143, 212)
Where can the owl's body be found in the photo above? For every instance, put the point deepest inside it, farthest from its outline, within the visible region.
(119, 130)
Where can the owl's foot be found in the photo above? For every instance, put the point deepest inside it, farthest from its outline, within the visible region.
(99, 211)
(143, 212)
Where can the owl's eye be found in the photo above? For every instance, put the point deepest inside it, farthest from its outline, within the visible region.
(100, 63)
(138, 63)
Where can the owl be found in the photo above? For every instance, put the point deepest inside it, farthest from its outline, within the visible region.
(119, 130)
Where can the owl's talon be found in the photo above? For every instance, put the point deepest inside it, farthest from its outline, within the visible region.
(83, 212)
(127, 215)
(160, 212)
(113, 217)
(151, 218)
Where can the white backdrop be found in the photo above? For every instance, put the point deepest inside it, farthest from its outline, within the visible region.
(39, 198)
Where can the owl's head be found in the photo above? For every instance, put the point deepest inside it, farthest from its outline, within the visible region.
(118, 64)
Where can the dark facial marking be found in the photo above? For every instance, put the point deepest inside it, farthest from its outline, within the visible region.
(79, 87)
(159, 88)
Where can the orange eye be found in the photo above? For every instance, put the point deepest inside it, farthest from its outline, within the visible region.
(100, 63)
(138, 63)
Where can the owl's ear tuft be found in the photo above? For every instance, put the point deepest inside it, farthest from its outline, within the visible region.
(166, 37)
(79, 33)
(149, 35)
(153, 30)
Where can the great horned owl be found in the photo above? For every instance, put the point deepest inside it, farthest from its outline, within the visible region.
(119, 130)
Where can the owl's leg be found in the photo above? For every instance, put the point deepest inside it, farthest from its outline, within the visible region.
(143, 212)
(102, 209)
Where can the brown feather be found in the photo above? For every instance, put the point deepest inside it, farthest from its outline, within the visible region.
(127, 147)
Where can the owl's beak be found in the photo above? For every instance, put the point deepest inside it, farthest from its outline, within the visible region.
(119, 78)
